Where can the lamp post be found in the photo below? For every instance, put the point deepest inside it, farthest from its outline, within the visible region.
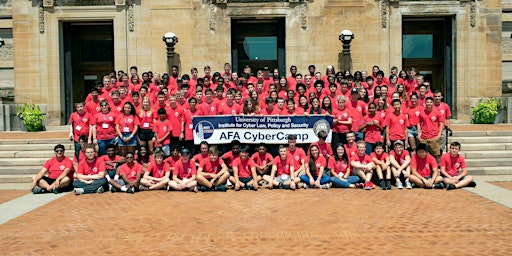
(346, 37)
(170, 40)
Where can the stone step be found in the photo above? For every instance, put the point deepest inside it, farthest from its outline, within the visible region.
(22, 161)
(483, 139)
(33, 147)
(32, 154)
(35, 141)
(487, 154)
(18, 178)
(21, 169)
(456, 134)
(486, 147)
(489, 162)
(498, 170)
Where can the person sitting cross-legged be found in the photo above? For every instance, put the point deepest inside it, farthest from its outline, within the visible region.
(56, 174)
(453, 169)
(90, 176)
(130, 174)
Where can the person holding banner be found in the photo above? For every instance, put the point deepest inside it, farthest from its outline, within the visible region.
(213, 172)
(282, 174)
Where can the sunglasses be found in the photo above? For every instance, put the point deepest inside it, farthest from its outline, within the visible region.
(129, 157)
(59, 151)
(103, 105)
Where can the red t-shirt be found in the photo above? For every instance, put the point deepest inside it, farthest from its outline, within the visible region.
(175, 115)
(184, 170)
(351, 150)
(161, 128)
(146, 121)
(200, 157)
(228, 158)
(106, 158)
(105, 125)
(340, 167)
(55, 167)
(92, 107)
(244, 167)
(208, 109)
(91, 168)
(430, 123)
(325, 148)
(283, 166)
(364, 159)
(373, 133)
(158, 170)
(342, 115)
(358, 111)
(423, 166)
(127, 123)
(211, 167)
(452, 164)
(261, 160)
(397, 125)
(233, 109)
(80, 124)
(399, 158)
(297, 155)
(444, 109)
(172, 160)
(381, 157)
(131, 172)
(413, 114)
(319, 162)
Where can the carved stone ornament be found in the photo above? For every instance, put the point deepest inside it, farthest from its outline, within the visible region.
(304, 15)
(472, 14)
(120, 2)
(131, 18)
(384, 13)
(212, 10)
(41, 19)
(84, 2)
(47, 3)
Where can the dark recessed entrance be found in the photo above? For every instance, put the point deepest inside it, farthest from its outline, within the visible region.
(259, 43)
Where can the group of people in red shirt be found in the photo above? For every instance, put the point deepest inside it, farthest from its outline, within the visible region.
(155, 112)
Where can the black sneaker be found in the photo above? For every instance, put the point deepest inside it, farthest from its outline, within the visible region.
(221, 188)
(383, 185)
(450, 187)
(438, 186)
(56, 190)
(37, 190)
(202, 188)
(471, 184)
(113, 190)
(131, 190)
(388, 185)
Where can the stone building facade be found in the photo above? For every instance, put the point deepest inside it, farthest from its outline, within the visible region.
(57, 53)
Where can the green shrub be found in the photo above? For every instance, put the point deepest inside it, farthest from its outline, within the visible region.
(486, 112)
(31, 116)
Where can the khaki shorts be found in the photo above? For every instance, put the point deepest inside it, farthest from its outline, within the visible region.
(433, 146)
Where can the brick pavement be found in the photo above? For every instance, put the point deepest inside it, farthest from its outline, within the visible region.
(305, 222)
(503, 184)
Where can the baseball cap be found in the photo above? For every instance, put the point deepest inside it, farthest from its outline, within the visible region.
(399, 142)
(185, 151)
(354, 91)
(265, 68)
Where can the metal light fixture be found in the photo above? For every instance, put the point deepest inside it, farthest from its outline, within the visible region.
(170, 40)
(346, 37)
(2, 42)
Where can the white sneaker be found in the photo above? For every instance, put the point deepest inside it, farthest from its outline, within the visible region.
(100, 190)
(408, 184)
(399, 184)
(78, 191)
(325, 186)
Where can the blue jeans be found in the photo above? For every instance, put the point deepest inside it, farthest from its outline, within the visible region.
(90, 188)
(102, 145)
(304, 178)
(338, 183)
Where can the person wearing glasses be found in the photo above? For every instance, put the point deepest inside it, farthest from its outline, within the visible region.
(104, 128)
(130, 175)
(56, 174)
